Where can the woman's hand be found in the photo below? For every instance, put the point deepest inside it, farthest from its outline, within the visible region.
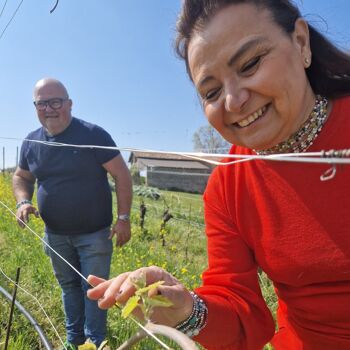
(120, 289)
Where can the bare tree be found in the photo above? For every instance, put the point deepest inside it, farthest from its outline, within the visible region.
(206, 139)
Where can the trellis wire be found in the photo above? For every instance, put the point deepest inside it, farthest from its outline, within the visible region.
(304, 157)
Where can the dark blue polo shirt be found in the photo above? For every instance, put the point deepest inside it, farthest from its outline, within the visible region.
(73, 192)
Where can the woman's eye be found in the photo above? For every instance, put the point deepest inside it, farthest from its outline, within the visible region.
(251, 64)
(210, 95)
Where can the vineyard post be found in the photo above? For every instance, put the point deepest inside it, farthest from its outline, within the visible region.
(166, 217)
(143, 210)
(12, 308)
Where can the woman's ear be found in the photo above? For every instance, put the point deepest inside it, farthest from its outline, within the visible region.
(301, 39)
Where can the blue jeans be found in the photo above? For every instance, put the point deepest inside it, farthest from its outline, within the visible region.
(90, 254)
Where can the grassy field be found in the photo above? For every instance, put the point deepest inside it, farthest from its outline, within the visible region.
(184, 255)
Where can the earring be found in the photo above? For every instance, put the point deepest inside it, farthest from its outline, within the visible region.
(307, 62)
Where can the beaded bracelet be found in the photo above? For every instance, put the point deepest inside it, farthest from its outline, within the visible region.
(197, 319)
(25, 201)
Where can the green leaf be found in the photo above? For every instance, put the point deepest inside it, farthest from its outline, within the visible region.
(148, 288)
(159, 301)
(129, 307)
(87, 346)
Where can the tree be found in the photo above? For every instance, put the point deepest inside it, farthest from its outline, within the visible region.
(206, 139)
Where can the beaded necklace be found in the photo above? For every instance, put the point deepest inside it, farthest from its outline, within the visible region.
(302, 139)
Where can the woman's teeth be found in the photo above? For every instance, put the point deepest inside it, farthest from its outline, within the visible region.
(247, 121)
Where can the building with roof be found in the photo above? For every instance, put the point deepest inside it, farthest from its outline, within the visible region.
(171, 171)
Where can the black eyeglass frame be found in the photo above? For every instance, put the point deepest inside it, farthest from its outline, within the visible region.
(45, 103)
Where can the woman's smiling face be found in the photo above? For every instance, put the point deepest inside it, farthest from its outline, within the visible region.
(251, 75)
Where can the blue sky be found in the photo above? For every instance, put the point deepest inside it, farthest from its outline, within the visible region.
(116, 59)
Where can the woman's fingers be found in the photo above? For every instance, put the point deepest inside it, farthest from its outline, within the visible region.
(99, 287)
(94, 280)
(106, 292)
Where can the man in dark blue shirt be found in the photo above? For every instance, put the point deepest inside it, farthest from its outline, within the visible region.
(74, 201)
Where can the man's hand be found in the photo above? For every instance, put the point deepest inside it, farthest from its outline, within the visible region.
(122, 232)
(23, 213)
(117, 168)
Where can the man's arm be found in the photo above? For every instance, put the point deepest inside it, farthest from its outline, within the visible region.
(123, 187)
(23, 188)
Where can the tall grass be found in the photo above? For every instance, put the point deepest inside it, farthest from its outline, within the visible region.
(184, 255)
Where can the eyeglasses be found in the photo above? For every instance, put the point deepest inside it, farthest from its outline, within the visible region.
(54, 103)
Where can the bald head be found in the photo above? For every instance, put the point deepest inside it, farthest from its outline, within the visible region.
(50, 86)
(53, 105)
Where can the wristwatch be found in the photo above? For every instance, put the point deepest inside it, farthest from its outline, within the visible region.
(24, 201)
(124, 217)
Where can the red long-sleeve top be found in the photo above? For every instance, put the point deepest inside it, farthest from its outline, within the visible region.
(282, 218)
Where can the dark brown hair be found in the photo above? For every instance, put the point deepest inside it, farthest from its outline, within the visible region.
(329, 73)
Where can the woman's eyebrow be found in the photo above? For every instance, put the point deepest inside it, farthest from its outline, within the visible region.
(244, 48)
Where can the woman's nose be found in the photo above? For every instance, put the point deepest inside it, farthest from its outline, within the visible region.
(235, 99)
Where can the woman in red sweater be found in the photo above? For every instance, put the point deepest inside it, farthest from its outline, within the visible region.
(269, 83)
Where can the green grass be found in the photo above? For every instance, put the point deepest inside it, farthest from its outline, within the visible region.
(184, 242)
